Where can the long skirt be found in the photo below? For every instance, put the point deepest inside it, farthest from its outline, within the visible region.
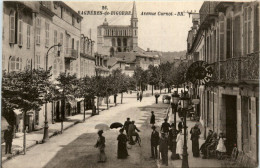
(122, 151)
(195, 148)
(179, 149)
(102, 156)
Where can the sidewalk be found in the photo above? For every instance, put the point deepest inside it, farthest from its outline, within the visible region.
(35, 137)
(193, 162)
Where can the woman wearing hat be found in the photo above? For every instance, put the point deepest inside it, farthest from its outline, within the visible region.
(122, 147)
(195, 135)
(101, 146)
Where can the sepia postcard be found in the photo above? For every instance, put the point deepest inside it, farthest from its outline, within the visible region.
(135, 83)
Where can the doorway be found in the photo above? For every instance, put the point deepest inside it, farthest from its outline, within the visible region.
(231, 122)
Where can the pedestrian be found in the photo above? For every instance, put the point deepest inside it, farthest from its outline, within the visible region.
(221, 148)
(122, 147)
(180, 142)
(141, 96)
(195, 135)
(165, 127)
(164, 148)
(152, 119)
(173, 136)
(101, 146)
(212, 146)
(154, 142)
(126, 125)
(8, 137)
(138, 95)
(181, 124)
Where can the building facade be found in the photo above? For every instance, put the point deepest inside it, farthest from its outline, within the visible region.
(118, 38)
(228, 40)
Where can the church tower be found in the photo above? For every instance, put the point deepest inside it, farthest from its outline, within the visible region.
(134, 27)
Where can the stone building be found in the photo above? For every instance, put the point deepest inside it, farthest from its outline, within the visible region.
(31, 30)
(228, 40)
(118, 38)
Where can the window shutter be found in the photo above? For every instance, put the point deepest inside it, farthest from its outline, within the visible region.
(256, 28)
(28, 36)
(221, 38)
(12, 28)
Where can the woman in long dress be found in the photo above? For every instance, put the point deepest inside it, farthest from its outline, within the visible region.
(101, 146)
(180, 142)
(195, 134)
(122, 147)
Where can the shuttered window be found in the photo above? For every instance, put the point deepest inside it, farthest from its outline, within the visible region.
(38, 30)
(237, 37)
(221, 38)
(256, 28)
(229, 39)
(47, 34)
(12, 28)
(28, 36)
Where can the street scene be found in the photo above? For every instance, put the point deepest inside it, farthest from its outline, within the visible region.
(130, 84)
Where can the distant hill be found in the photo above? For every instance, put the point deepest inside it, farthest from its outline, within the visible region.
(170, 56)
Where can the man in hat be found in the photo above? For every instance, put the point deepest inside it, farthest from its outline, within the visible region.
(126, 125)
(154, 143)
(165, 126)
(132, 132)
(8, 137)
(164, 148)
(152, 120)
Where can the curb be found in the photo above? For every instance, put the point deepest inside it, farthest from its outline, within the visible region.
(18, 152)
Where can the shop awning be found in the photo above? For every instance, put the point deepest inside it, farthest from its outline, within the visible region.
(4, 124)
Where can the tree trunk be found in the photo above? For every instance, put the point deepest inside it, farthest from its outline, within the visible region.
(24, 133)
(107, 102)
(84, 108)
(122, 98)
(152, 90)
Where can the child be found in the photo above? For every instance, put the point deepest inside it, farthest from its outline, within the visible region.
(221, 148)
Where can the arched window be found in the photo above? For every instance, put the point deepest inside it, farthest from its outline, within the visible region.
(15, 63)
(118, 42)
(125, 42)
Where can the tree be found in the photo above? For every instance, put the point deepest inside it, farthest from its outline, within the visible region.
(66, 85)
(153, 76)
(25, 90)
(179, 73)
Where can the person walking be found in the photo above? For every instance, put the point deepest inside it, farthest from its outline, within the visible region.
(180, 142)
(195, 135)
(101, 146)
(173, 136)
(137, 95)
(164, 148)
(126, 125)
(141, 96)
(152, 119)
(132, 132)
(165, 127)
(8, 137)
(154, 142)
(122, 147)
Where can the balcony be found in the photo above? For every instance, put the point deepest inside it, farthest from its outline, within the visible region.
(237, 70)
(71, 54)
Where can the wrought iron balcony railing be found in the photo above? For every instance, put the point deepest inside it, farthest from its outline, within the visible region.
(237, 69)
(71, 53)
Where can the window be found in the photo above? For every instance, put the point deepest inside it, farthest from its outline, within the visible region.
(28, 36)
(221, 38)
(72, 43)
(247, 34)
(77, 46)
(12, 28)
(61, 12)
(38, 60)
(28, 64)
(61, 42)
(38, 30)
(67, 44)
(229, 39)
(47, 34)
(135, 33)
(20, 33)
(55, 40)
(16, 63)
(73, 20)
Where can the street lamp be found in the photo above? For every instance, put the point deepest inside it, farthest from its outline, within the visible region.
(46, 127)
(175, 100)
(184, 104)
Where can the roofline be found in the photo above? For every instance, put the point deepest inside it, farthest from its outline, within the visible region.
(64, 4)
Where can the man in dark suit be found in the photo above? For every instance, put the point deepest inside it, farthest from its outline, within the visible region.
(126, 125)
(181, 124)
(152, 120)
(154, 143)
(165, 127)
(8, 137)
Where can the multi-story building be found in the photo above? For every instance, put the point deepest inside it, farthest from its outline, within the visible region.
(228, 40)
(87, 58)
(101, 67)
(30, 32)
(118, 38)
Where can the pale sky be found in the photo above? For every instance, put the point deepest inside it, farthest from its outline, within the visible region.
(162, 33)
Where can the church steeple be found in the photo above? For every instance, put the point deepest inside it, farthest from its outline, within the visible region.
(134, 15)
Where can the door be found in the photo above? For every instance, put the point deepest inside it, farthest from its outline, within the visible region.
(231, 122)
